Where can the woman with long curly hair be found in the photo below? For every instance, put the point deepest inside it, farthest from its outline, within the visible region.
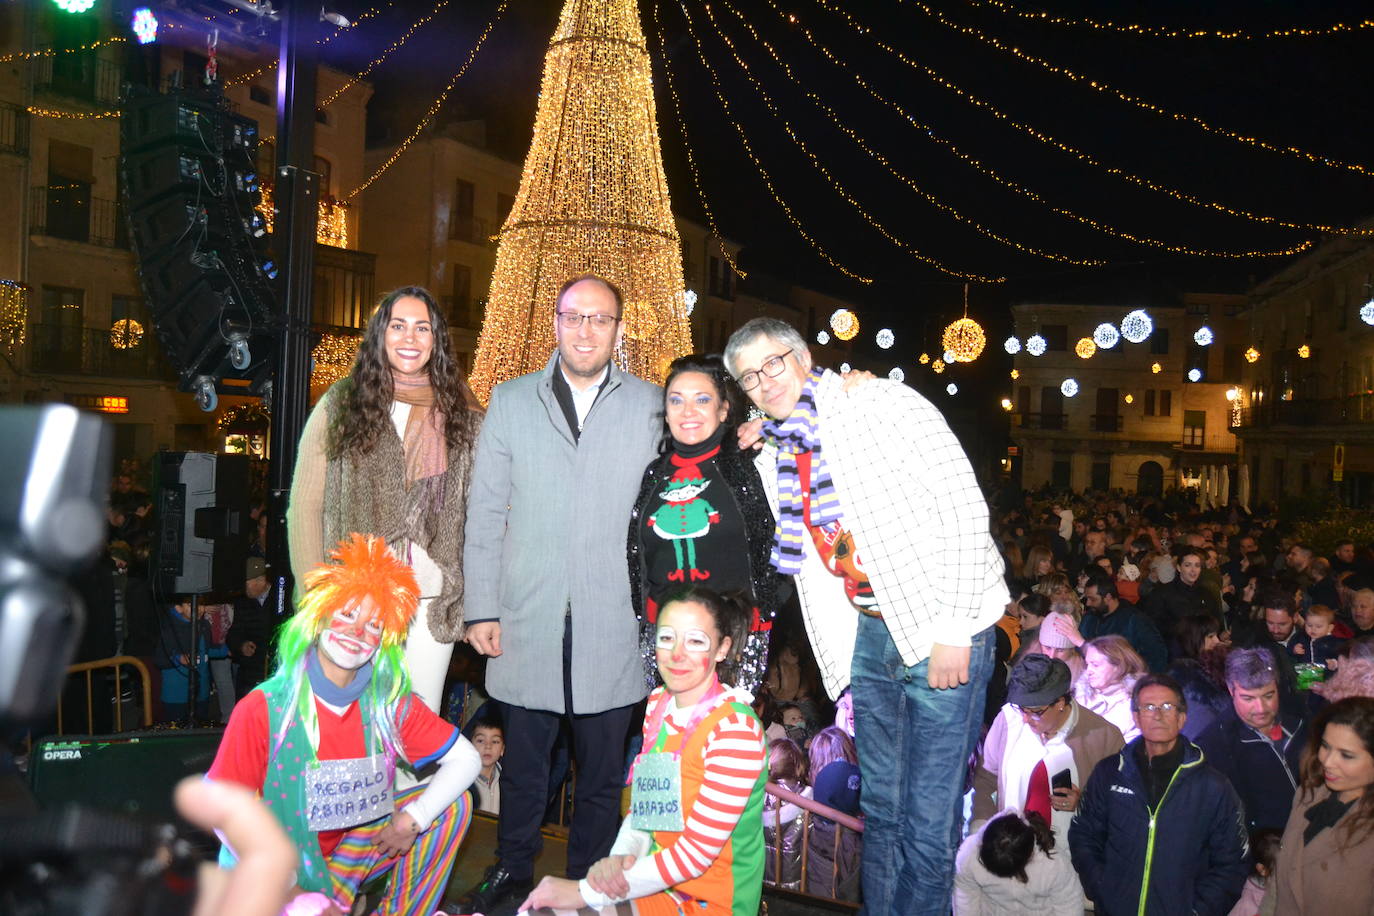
(387, 451)
(1328, 845)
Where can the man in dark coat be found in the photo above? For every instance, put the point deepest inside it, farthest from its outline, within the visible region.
(254, 623)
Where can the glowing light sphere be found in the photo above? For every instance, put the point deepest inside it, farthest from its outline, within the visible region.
(885, 339)
(1085, 348)
(1203, 336)
(1137, 326)
(1194, 375)
(1130, 399)
(1068, 388)
(1252, 355)
(125, 334)
(896, 374)
(1232, 393)
(1304, 352)
(1035, 345)
(965, 338)
(951, 389)
(845, 368)
(1156, 368)
(1006, 403)
(822, 338)
(1106, 336)
(938, 366)
(74, 6)
(923, 358)
(950, 357)
(689, 299)
(1012, 345)
(845, 324)
(144, 26)
(1367, 312)
(1015, 374)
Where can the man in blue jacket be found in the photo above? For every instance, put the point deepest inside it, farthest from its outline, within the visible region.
(1158, 831)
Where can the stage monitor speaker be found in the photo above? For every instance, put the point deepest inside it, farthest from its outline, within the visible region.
(128, 773)
(188, 174)
(202, 510)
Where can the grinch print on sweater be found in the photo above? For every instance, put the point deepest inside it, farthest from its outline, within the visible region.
(683, 517)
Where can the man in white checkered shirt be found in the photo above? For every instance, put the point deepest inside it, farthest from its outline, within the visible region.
(885, 528)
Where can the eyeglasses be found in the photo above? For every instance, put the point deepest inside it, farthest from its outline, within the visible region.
(1035, 712)
(1159, 709)
(772, 367)
(571, 321)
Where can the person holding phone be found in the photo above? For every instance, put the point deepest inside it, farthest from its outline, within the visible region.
(1041, 748)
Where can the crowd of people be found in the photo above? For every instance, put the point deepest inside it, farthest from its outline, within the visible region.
(763, 572)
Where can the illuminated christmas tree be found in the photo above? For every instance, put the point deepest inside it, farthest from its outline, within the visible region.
(593, 198)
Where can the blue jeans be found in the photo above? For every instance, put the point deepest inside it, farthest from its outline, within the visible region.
(914, 744)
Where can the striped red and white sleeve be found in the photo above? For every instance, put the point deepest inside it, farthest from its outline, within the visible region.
(735, 755)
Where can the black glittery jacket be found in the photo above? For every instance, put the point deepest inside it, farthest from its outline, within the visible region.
(746, 488)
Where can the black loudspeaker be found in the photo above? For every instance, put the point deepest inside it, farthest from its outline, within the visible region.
(202, 510)
(188, 173)
(128, 773)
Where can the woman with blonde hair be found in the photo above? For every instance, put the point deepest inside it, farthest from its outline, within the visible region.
(1110, 669)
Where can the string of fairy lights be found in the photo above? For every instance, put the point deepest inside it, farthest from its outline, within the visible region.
(834, 183)
(929, 133)
(837, 122)
(1105, 88)
(687, 148)
(386, 52)
(771, 187)
(1055, 143)
(1152, 31)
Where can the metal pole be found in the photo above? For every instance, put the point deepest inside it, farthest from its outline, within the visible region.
(192, 665)
(297, 195)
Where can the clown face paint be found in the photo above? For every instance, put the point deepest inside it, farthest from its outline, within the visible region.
(353, 636)
(688, 647)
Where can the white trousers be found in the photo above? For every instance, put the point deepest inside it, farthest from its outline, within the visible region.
(427, 662)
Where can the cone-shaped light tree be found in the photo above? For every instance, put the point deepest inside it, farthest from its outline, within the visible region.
(593, 199)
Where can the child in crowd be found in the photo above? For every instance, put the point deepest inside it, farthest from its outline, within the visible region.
(1010, 865)
(833, 868)
(490, 740)
(174, 656)
(782, 821)
(1320, 645)
(1264, 852)
(794, 722)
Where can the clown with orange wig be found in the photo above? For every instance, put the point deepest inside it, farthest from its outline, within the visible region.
(320, 740)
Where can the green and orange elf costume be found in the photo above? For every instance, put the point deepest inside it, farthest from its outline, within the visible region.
(323, 755)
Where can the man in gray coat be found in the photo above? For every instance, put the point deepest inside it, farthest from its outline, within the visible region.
(547, 599)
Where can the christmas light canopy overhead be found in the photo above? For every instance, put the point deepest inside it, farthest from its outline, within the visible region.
(1012, 345)
(896, 374)
(1068, 388)
(1203, 336)
(1035, 345)
(1106, 335)
(1252, 355)
(1137, 326)
(885, 338)
(845, 324)
(1085, 348)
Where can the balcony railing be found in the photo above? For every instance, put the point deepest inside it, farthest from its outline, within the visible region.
(93, 351)
(70, 212)
(79, 75)
(468, 229)
(1043, 420)
(1316, 412)
(14, 129)
(1106, 423)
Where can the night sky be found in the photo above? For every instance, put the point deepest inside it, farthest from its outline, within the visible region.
(1305, 92)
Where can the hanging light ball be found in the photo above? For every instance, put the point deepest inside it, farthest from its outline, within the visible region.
(125, 334)
(1156, 368)
(1203, 336)
(822, 338)
(1232, 393)
(965, 338)
(1012, 345)
(1304, 352)
(1130, 399)
(1006, 404)
(896, 374)
(1035, 345)
(1194, 375)
(950, 357)
(689, 299)
(845, 324)
(1106, 335)
(1252, 355)
(845, 368)
(1137, 326)
(1085, 348)
(923, 359)
(1068, 388)
(1015, 374)
(951, 389)
(938, 366)
(1367, 312)
(885, 339)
